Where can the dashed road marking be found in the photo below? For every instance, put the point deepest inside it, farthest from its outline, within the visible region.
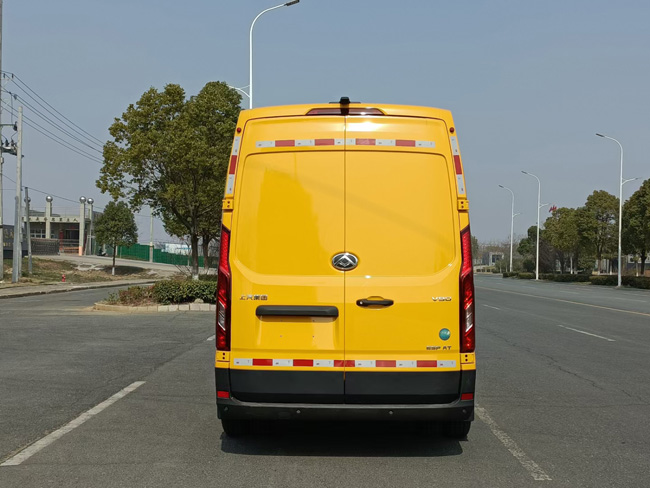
(211, 338)
(531, 466)
(587, 333)
(42, 443)
(490, 306)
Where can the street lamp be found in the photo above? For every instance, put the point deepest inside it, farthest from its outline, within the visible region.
(539, 206)
(620, 205)
(250, 57)
(82, 223)
(89, 240)
(512, 221)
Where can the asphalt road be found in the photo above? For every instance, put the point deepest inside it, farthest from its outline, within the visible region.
(563, 393)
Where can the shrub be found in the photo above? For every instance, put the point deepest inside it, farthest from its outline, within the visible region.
(636, 281)
(208, 277)
(526, 276)
(547, 276)
(133, 295)
(174, 291)
(571, 278)
(607, 280)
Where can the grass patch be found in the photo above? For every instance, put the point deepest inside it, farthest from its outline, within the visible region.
(47, 271)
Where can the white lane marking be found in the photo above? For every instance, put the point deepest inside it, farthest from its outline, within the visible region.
(565, 301)
(42, 443)
(211, 338)
(587, 333)
(490, 306)
(531, 466)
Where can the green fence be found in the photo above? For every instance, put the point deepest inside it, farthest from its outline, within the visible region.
(140, 252)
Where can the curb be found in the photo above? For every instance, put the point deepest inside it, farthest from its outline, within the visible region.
(183, 307)
(89, 286)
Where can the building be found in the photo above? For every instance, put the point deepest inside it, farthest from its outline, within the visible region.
(70, 226)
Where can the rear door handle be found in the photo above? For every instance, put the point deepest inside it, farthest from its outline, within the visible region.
(367, 302)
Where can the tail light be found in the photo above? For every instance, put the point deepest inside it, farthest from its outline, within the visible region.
(223, 293)
(467, 332)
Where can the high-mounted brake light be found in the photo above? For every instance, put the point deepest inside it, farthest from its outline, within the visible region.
(345, 110)
(223, 293)
(467, 330)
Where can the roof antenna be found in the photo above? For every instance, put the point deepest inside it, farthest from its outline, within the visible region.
(345, 101)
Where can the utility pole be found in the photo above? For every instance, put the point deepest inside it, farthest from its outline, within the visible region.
(151, 238)
(2, 231)
(18, 243)
(28, 232)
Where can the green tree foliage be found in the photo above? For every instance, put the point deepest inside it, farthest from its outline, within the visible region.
(561, 232)
(597, 222)
(636, 224)
(116, 227)
(528, 249)
(172, 153)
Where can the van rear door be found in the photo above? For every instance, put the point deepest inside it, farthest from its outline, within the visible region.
(401, 301)
(287, 341)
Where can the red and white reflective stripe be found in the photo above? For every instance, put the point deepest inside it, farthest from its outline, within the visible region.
(341, 142)
(232, 168)
(347, 363)
(299, 143)
(460, 180)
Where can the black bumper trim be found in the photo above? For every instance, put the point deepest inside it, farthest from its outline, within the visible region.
(234, 409)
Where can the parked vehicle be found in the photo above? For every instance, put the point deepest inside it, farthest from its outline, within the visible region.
(345, 286)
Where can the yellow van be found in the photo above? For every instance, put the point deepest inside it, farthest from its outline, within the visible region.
(345, 287)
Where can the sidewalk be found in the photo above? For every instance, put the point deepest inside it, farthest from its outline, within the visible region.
(27, 291)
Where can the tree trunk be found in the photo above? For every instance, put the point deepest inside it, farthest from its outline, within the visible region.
(114, 254)
(644, 255)
(205, 242)
(194, 238)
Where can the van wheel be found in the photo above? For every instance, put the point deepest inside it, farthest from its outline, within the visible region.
(235, 427)
(458, 429)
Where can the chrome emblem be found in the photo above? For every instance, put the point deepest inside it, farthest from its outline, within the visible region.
(345, 261)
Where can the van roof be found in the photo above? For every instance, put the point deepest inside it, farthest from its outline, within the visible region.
(387, 109)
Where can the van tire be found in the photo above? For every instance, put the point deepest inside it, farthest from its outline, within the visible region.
(457, 430)
(235, 427)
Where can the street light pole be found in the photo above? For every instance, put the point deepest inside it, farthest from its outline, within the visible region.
(250, 53)
(539, 206)
(620, 207)
(512, 221)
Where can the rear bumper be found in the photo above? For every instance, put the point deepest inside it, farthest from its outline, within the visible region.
(293, 395)
(235, 409)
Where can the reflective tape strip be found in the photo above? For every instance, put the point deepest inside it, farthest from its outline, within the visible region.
(235, 146)
(345, 363)
(360, 141)
(230, 185)
(454, 146)
(283, 362)
(460, 181)
(243, 362)
(233, 165)
(364, 364)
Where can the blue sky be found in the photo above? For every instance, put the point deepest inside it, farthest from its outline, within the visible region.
(529, 83)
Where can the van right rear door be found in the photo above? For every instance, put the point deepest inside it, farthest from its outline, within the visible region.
(401, 301)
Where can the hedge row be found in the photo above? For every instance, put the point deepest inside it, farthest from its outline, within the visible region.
(175, 291)
(606, 280)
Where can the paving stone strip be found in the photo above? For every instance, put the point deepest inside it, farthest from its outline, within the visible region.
(183, 307)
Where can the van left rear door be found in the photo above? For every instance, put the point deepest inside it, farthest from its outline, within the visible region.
(287, 299)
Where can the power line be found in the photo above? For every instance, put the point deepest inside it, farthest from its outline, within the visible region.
(27, 89)
(54, 138)
(54, 124)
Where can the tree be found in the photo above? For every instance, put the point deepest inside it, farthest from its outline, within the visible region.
(597, 222)
(116, 227)
(172, 154)
(528, 249)
(561, 231)
(636, 224)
